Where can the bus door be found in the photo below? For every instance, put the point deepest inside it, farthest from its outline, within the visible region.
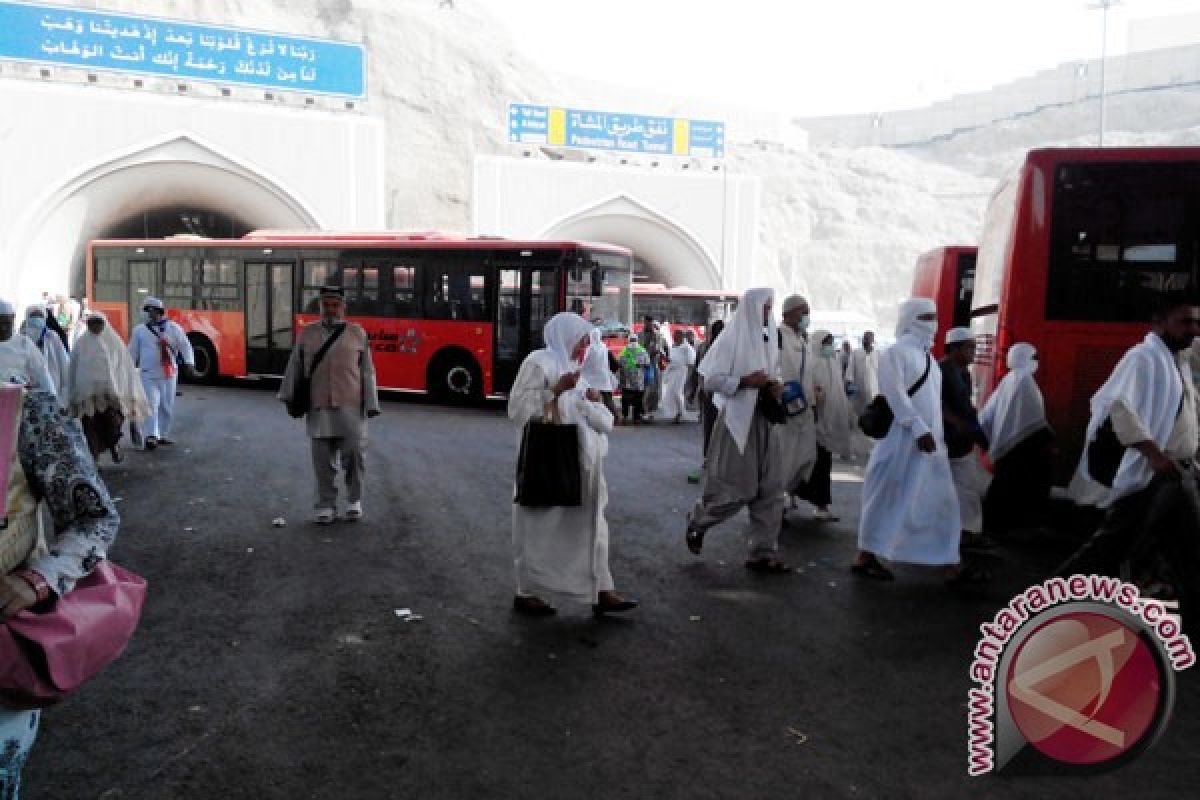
(143, 282)
(527, 299)
(270, 328)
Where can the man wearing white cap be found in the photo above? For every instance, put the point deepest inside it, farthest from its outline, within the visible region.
(799, 435)
(910, 510)
(156, 347)
(20, 361)
(962, 434)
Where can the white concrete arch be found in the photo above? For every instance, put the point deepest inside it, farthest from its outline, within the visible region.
(176, 170)
(673, 254)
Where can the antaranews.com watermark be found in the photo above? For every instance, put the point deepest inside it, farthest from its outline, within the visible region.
(1079, 668)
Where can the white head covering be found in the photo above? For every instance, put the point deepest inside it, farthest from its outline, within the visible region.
(792, 302)
(562, 333)
(7, 309)
(36, 307)
(833, 415)
(744, 347)
(153, 302)
(907, 323)
(595, 373)
(956, 335)
(1016, 409)
(101, 376)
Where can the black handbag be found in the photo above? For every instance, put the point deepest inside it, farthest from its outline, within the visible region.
(301, 401)
(771, 409)
(1104, 454)
(548, 469)
(877, 419)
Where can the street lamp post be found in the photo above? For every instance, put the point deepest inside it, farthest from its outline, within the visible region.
(1104, 6)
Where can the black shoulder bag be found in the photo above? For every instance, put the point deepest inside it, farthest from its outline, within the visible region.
(301, 401)
(877, 419)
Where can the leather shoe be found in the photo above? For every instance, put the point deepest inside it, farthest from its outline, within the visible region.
(533, 607)
(614, 606)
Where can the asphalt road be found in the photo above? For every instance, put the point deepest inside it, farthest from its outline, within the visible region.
(270, 662)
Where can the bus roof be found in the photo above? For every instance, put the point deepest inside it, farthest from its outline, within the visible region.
(429, 240)
(1059, 154)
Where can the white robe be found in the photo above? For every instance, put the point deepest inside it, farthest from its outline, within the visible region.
(21, 359)
(51, 348)
(910, 510)
(562, 552)
(673, 402)
(798, 438)
(833, 408)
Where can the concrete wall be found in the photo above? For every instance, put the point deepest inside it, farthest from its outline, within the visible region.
(1068, 83)
(693, 228)
(77, 159)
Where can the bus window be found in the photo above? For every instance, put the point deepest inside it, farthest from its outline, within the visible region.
(458, 294)
(220, 285)
(317, 273)
(543, 303)
(964, 289)
(404, 290)
(1123, 235)
(112, 280)
(179, 283)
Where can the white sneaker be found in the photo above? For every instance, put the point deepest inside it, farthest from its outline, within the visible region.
(325, 516)
(354, 511)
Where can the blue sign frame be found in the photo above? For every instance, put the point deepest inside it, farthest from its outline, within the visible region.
(607, 130)
(152, 46)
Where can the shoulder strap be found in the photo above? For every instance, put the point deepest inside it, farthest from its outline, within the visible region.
(316, 362)
(916, 387)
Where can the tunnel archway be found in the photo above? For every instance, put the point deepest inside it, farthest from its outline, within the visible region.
(671, 254)
(179, 173)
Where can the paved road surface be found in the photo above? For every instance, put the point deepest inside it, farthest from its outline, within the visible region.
(270, 663)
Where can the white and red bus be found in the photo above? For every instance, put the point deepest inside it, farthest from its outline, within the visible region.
(1077, 248)
(681, 307)
(449, 315)
(946, 275)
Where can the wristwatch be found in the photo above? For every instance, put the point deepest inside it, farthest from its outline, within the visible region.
(36, 582)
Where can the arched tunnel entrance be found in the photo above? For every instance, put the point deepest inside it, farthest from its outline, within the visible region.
(177, 187)
(664, 251)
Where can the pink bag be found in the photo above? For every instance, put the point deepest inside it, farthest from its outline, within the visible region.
(46, 655)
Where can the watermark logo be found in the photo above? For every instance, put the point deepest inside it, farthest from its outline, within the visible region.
(1079, 670)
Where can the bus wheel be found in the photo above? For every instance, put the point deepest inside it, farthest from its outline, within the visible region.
(455, 378)
(206, 360)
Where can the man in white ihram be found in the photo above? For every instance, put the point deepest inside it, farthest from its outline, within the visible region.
(19, 356)
(156, 347)
(910, 511)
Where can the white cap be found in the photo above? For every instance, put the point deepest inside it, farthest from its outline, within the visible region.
(7, 309)
(956, 335)
(153, 302)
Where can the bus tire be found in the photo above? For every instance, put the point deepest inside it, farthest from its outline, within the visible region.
(455, 377)
(206, 370)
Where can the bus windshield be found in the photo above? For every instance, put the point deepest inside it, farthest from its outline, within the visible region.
(612, 276)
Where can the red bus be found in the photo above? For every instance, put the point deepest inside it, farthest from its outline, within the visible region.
(946, 275)
(1078, 246)
(689, 309)
(449, 315)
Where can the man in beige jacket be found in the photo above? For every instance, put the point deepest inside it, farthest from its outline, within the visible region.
(343, 397)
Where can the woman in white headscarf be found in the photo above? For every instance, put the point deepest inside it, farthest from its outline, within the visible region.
(682, 356)
(745, 464)
(910, 509)
(561, 552)
(1020, 440)
(598, 372)
(103, 388)
(833, 422)
(49, 345)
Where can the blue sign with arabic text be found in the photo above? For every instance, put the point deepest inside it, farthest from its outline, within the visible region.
(607, 130)
(102, 41)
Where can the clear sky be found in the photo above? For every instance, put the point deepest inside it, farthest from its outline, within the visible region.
(813, 57)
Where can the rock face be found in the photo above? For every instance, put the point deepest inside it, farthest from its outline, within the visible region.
(843, 226)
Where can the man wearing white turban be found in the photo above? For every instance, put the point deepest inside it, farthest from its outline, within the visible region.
(745, 463)
(910, 512)
(963, 434)
(561, 552)
(20, 360)
(1019, 442)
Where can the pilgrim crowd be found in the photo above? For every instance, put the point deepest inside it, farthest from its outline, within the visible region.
(777, 402)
